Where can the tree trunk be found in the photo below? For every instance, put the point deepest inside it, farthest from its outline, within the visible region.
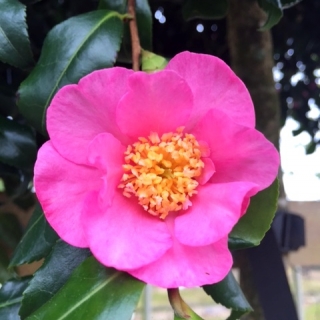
(252, 60)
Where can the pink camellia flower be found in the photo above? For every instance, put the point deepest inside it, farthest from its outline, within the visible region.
(152, 171)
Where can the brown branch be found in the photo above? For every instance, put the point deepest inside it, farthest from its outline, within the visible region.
(135, 41)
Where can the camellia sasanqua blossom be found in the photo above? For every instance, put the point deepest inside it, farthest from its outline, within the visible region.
(152, 171)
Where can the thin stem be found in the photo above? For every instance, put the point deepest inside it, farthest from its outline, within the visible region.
(135, 41)
(177, 304)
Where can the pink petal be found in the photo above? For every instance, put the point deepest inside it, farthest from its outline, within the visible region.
(188, 266)
(61, 187)
(215, 210)
(214, 86)
(158, 102)
(207, 172)
(239, 153)
(107, 153)
(124, 236)
(79, 112)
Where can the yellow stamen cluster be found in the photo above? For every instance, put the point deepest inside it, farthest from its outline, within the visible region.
(161, 172)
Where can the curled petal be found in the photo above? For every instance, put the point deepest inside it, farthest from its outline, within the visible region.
(107, 153)
(207, 172)
(239, 153)
(79, 112)
(214, 86)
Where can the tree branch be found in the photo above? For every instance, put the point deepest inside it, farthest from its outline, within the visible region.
(135, 41)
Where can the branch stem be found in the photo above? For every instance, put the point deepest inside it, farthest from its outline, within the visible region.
(135, 41)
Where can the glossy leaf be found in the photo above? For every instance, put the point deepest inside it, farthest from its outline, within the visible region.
(37, 241)
(14, 41)
(144, 23)
(71, 50)
(274, 9)
(274, 12)
(52, 275)
(10, 298)
(228, 293)
(18, 146)
(252, 227)
(204, 9)
(16, 181)
(93, 292)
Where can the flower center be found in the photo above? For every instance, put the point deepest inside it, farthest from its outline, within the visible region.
(161, 172)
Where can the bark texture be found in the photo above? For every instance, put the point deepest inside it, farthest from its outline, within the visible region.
(251, 54)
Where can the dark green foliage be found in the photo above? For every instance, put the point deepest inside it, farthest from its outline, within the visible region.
(228, 293)
(37, 241)
(252, 227)
(53, 274)
(18, 146)
(14, 41)
(93, 292)
(10, 298)
(83, 44)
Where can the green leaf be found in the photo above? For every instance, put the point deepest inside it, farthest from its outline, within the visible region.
(273, 10)
(52, 275)
(151, 62)
(14, 41)
(93, 292)
(252, 227)
(144, 23)
(37, 241)
(71, 50)
(228, 293)
(10, 298)
(16, 181)
(204, 9)
(18, 147)
(10, 230)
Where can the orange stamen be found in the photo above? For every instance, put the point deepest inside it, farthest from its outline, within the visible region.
(161, 172)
